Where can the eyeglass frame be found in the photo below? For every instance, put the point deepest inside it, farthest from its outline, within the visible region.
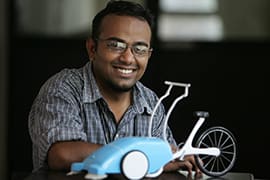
(132, 47)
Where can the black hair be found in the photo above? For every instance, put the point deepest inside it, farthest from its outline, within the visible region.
(121, 8)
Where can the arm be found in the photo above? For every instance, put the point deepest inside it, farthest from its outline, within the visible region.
(62, 154)
(56, 120)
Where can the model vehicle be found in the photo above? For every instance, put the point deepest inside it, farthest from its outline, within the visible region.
(138, 157)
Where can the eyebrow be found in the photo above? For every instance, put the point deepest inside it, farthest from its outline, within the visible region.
(115, 39)
(121, 40)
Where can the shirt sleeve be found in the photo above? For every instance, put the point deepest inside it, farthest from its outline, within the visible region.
(54, 116)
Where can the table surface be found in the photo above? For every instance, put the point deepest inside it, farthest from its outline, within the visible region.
(182, 175)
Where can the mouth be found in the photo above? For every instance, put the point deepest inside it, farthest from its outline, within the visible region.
(125, 71)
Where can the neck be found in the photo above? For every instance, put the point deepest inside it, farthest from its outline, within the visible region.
(117, 101)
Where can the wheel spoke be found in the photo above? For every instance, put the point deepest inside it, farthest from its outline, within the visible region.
(210, 160)
(225, 141)
(213, 164)
(222, 163)
(227, 147)
(220, 139)
(224, 157)
(204, 157)
(227, 152)
(215, 138)
(205, 145)
(211, 141)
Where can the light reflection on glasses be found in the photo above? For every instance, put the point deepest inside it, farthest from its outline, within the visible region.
(139, 50)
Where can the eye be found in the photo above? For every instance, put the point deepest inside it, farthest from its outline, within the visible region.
(140, 49)
(116, 45)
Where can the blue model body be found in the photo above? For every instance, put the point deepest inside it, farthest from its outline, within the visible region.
(107, 160)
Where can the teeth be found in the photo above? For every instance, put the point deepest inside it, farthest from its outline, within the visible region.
(125, 71)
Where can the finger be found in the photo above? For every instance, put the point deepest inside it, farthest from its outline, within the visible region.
(173, 166)
(188, 166)
(191, 159)
(197, 167)
(174, 148)
(189, 176)
(198, 175)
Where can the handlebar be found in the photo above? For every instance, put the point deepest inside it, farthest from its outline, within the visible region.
(177, 84)
(185, 94)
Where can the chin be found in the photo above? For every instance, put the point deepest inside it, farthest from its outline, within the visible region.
(123, 87)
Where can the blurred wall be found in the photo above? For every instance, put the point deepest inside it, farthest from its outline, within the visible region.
(55, 17)
(3, 87)
(245, 18)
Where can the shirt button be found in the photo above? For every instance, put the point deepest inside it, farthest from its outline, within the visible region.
(116, 136)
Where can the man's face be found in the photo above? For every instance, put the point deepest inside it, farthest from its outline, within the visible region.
(114, 69)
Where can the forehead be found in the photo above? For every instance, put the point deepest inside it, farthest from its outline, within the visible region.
(127, 28)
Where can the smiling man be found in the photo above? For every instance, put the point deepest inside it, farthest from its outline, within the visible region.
(79, 110)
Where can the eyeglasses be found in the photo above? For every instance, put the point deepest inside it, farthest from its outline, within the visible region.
(139, 50)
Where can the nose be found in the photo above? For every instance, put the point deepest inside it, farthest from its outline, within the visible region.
(127, 56)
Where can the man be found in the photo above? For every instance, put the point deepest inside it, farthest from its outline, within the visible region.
(79, 110)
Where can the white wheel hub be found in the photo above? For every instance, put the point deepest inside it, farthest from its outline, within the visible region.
(135, 165)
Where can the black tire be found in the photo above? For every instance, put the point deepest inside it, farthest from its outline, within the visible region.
(223, 139)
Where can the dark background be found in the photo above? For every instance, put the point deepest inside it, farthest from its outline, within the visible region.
(229, 79)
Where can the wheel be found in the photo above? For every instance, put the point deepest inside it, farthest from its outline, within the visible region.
(135, 165)
(224, 140)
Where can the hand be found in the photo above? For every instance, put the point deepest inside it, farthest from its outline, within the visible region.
(188, 164)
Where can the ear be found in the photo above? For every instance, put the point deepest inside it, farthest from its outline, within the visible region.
(91, 48)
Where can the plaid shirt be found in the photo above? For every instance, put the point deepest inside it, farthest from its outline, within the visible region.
(69, 107)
